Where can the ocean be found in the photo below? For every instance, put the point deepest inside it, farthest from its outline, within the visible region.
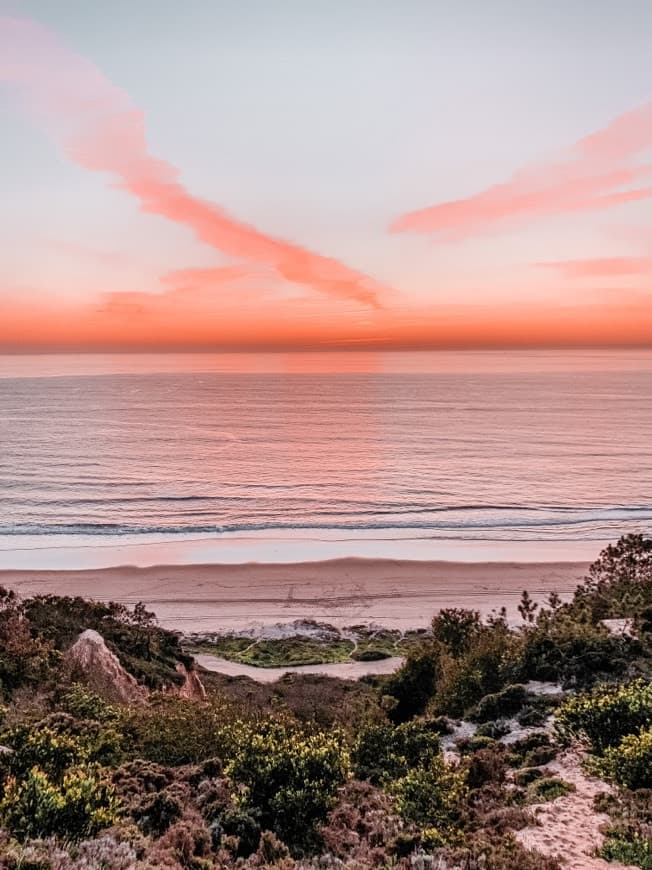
(362, 453)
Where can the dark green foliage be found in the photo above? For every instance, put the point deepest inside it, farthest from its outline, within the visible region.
(503, 704)
(413, 685)
(620, 580)
(607, 714)
(527, 775)
(473, 744)
(74, 806)
(491, 662)
(59, 742)
(383, 752)
(550, 788)
(290, 776)
(566, 647)
(240, 824)
(630, 763)
(629, 835)
(527, 607)
(148, 652)
(495, 729)
(532, 751)
(456, 629)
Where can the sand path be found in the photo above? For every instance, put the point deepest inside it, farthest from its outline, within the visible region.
(569, 827)
(343, 670)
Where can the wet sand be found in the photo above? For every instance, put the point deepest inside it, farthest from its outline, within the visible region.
(403, 594)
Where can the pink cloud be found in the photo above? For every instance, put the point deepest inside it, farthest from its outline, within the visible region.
(596, 175)
(101, 130)
(602, 267)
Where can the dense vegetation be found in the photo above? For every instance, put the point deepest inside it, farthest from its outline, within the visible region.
(313, 771)
(313, 643)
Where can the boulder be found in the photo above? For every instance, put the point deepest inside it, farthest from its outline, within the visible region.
(92, 663)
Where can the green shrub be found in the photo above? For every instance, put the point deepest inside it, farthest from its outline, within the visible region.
(478, 742)
(567, 647)
(620, 580)
(78, 806)
(606, 715)
(382, 752)
(413, 685)
(432, 796)
(456, 629)
(58, 742)
(173, 731)
(527, 775)
(502, 704)
(82, 703)
(630, 763)
(496, 729)
(632, 849)
(548, 788)
(290, 777)
(491, 662)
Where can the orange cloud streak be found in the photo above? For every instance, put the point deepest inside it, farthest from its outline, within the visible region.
(102, 131)
(590, 179)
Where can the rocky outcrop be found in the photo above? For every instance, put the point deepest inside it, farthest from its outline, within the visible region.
(92, 663)
(192, 688)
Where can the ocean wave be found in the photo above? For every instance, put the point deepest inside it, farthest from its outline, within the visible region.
(572, 518)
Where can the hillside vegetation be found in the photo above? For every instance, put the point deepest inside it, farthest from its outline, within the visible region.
(437, 765)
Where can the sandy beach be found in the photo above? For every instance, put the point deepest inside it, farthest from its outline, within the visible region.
(403, 594)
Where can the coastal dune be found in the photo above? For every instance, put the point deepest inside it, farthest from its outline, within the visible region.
(402, 594)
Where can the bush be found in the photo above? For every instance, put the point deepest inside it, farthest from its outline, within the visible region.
(383, 752)
(491, 662)
(413, 685)
(549, 788)
(501, 704)
(173, 731)
(290, 776)
(633, 849)
(497, 729)
(58, 742)
(486, 766)
(432, 796)
(527, 775)
(78, 806)
(456, 629)
(620, 580)
(630, 763)
(567, 647)
(606, 715)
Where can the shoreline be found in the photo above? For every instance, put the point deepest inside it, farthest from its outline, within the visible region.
(345, 591)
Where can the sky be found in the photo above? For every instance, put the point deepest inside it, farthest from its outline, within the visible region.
(325, 174)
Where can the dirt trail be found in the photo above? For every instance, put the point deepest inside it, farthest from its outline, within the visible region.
(569, 827)
(343, 670)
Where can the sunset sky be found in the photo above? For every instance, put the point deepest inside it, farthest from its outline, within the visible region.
(346, 173)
